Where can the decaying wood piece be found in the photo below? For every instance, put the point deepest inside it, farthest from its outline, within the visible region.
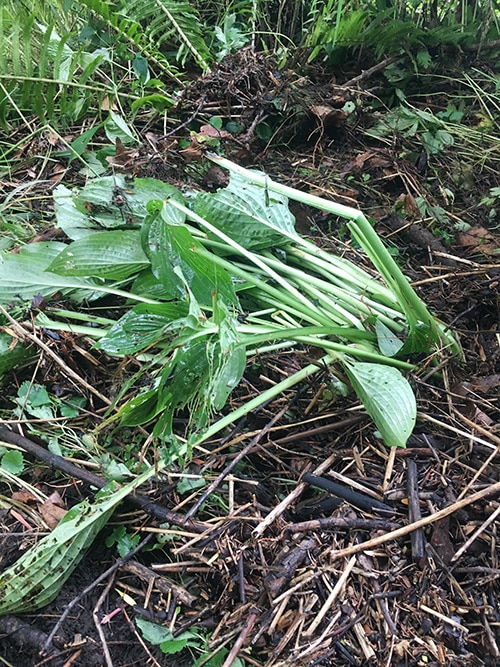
(341, 523)
(59, 463)
(285, 565)
(414, 513)
(160, 582)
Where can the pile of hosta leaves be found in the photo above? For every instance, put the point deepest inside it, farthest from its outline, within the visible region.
(203, 280)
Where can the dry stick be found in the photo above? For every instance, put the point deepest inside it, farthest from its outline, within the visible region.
(111, 570)
(20, 331)
(340, 523)
(417, 537)
(478, 474)
(59, 463)
(233, 654)
(254, 441)
(490, 636)
(476, 534)
(426, 521)
(97, 623)
(477, 427)
(331, 598)
(458, 431)
(163, 584)
(365, 74)
(319, 430)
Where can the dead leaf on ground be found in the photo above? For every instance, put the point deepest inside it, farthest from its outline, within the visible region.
(123, 156)
(52, 510)
(213, 132)
(468, 406)
(409, 205)
(23, 497)
(441, 541)
(479, 239)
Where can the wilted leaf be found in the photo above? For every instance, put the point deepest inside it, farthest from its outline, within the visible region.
(26, 274)
(180, 262)
(480, 240)
(37, 576)
(388, 399)
(143, 326)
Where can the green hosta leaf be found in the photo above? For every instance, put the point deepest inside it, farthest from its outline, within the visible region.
(206, 362)
(180, 263)
(147, 284)
(389, 344)
(387, 397)
(116, 128)
(228, 375)
(26, 274)
(420, 338)
(36, 578)
(172, 215)
(229, 358)
(72, 219)
(13, 353)
(108, 201)
(140, 409)
(114, 254)
(248, 214)
(143, 326)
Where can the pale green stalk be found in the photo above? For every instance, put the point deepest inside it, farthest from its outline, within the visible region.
(413, 307)
(264, 397)
(295, 299)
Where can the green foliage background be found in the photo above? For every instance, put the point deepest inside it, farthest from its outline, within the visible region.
(61, 60)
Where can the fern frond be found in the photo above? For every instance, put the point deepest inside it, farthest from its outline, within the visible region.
(131, 32)
(172, 21)
(185, 22)
(41, 74)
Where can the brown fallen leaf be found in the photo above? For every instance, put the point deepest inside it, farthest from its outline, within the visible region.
(23, 497)
(481, 240)
(52, 510)
(441, 541)
(467, 406)
(123, 157)
(213, 132)
(409, 205)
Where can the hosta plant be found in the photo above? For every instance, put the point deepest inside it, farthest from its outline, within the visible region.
(206, 279)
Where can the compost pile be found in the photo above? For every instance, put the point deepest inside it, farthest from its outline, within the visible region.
(294, 535)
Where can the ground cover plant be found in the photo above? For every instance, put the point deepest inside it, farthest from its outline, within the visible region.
(283, 375)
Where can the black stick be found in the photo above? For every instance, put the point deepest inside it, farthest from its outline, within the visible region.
(59, 463)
